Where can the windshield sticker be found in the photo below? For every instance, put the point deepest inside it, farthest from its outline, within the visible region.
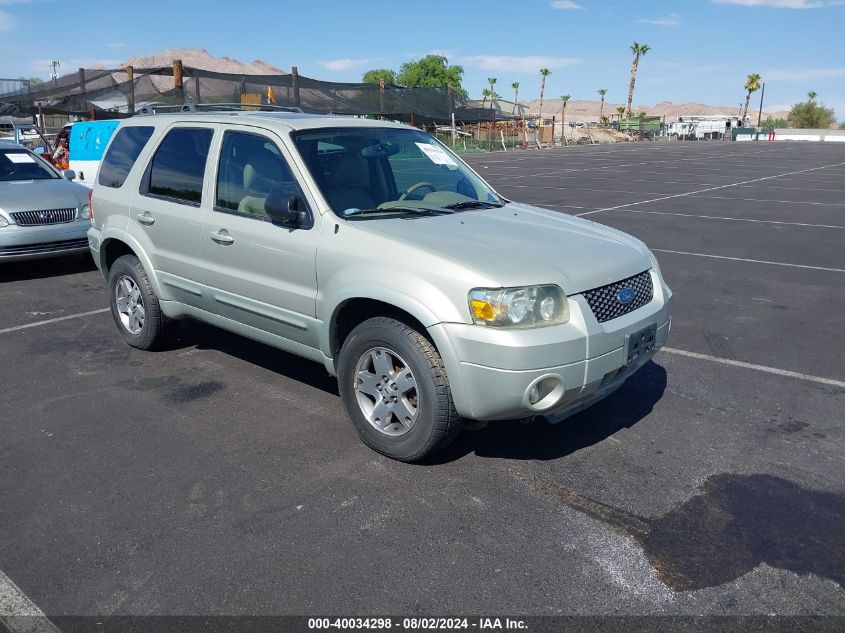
(20, 158)
(436, 154)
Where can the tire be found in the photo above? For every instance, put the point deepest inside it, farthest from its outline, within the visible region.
(415, 382)
(148, 333)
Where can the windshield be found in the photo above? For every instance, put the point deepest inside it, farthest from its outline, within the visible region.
(389, 171)
(18, 164)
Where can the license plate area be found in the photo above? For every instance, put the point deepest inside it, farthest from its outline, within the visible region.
(640, 343)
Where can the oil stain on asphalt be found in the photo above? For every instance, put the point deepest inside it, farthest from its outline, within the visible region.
(736, 523)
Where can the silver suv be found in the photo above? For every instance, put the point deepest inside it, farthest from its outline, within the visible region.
(371, 248)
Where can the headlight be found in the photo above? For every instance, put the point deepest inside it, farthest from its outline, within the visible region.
(3, 221)
(654, 264)
(86, 212)
(531, 306)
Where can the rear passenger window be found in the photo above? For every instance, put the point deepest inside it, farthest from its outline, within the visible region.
(251, 168)
(177, 168)
(122, 154)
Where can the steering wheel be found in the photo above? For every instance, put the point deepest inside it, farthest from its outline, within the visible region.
(413, 188)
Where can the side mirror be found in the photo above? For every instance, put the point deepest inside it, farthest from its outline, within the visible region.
(69, 174)
(284, 210)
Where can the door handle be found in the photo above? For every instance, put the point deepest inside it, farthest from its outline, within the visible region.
(146, 219)
(222, 237)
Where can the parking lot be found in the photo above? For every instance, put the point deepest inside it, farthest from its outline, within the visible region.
(222, 477)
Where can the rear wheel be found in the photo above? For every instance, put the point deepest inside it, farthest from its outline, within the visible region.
(395, 390)
(134, 306)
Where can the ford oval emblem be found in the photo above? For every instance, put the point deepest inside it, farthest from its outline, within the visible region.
(626, 295)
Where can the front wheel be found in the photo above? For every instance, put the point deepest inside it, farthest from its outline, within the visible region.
(395, 390)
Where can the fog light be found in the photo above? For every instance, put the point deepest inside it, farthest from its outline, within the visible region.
(544, 393)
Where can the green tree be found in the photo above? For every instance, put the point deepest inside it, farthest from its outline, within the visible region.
(493, 95)
(752, 84)
(602, 92)
(771, 124)
(33, 81)
(809, 114)
(432, 71)
(485, 92)
(544, 72)
(376, 75)
(515, 86)
(620, 111)
(564, 100)
(638, 50)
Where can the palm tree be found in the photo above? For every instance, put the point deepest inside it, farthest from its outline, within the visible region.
(515, 86)
(638, 50)
(621, 111)
(752, 84)
(811, 95)
(602, 92)
(492, 82)
(545, 72)
(564, 99)
(486, 93)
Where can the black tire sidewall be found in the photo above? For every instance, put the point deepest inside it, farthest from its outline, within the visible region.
(421, 439)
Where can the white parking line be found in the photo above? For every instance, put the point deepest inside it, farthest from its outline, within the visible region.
(25, 326)
(718, 217)
(692, 193)
(822, 204)
(18, 613)
(763, 368)
(753, 261)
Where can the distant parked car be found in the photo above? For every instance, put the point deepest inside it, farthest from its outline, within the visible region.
(42, 214)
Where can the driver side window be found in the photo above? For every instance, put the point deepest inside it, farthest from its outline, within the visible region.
(251, 169)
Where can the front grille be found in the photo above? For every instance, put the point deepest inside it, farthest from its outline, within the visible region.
(45, 216)
(605, 304)
(44, 247)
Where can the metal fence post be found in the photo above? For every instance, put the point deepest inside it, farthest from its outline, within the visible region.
(294, 75)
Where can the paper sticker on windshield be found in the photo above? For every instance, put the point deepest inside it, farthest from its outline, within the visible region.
(20, 158)
(436, 154)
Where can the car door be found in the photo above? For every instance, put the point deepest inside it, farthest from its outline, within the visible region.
(166, 214)
(259, 273)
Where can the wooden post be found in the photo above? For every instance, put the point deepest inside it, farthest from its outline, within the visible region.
(413, 121)
(41, 116)
(381, 96)
(197, 89)
(130, 96)
(493, 129)
(294, 75)
(83, 93)
(178, 86)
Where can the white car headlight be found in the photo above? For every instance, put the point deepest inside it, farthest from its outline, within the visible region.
(530, 306)
(86, 212)
(3, 221)
(654, 264)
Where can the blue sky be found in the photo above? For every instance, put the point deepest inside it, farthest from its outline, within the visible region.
(701, 49)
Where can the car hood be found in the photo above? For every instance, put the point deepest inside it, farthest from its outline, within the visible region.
(519, 244)
(34, 195)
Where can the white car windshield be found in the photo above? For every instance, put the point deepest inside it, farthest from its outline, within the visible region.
(19, 164)
(389, 171)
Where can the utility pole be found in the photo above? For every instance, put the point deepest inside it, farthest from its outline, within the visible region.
(760, 113)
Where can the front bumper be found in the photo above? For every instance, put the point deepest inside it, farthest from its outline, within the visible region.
(491, 371)
(35, 242)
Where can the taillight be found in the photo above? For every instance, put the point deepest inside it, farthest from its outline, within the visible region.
(91, 206)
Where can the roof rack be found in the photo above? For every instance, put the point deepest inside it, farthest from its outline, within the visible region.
(155, 108)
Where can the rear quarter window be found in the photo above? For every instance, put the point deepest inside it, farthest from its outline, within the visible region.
(122, 154)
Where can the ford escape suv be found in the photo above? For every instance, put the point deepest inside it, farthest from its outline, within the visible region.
(370, 247)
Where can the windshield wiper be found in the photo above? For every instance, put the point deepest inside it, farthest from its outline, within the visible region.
(351, 213)
(472, 204)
